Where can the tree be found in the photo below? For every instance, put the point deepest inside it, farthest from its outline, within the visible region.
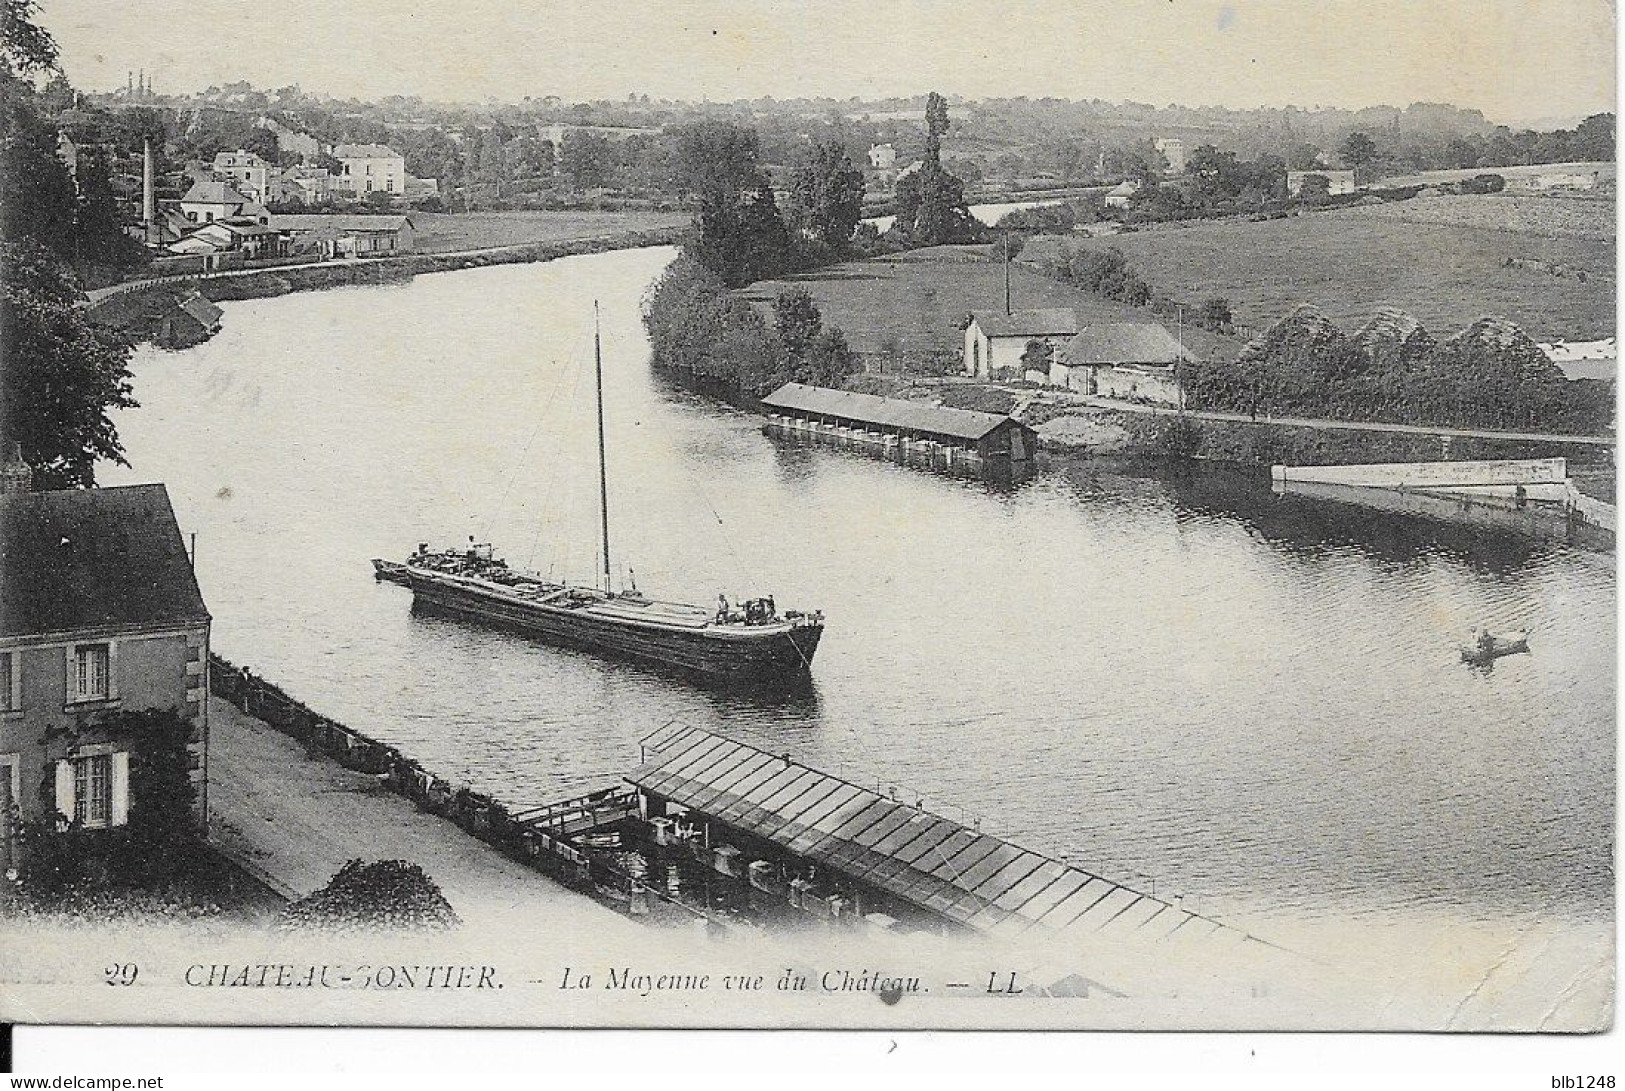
(99, 240)
(1357, 150)
(828, 192)
(37, 198)
(797, 320)
(585, 159)
(64, 374)
(714, 158)
(1594, 138)
(25, 47)
(1304, 156)
(1215, 314)
(1036, 356)
(263, 143)
(931, 208)
(1315, 187)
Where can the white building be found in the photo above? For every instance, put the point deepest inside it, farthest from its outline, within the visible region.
(1338, 182)
(207, 202)
(1173, 150)
(245, 172)
(995, 342)
(1118, 196)
(882, 157)
(369, 168)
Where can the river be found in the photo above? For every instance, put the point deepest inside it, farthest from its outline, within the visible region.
(989, 214)
(1175, 678)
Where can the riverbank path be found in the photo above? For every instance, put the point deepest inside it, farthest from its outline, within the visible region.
(292, 821)
(98, 295)
(1349, 426)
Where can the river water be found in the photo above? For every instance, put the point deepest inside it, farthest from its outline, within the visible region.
(1256, 702)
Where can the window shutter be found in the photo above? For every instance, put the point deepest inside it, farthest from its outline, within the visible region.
(120, 811)
(111, 688)
(64, 789)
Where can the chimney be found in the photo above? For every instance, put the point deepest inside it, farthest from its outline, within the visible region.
(16, 476)
(149, 194)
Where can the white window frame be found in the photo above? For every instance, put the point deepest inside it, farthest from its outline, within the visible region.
(11, 768)
(68, 794)
(71, 679)
(11, 695)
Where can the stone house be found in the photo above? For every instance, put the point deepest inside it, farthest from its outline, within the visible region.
(99, 615)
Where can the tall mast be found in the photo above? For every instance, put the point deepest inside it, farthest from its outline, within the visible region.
(603, 472)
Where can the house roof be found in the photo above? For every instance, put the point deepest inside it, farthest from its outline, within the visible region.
(202, 309)
(975, 879)
(1048, 322)
(318, 222)
(365, 151)
(87, 558)
(886, 412)
(213, 193)
(1123, 343)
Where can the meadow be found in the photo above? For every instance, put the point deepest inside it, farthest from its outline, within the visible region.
(1443, 259)
(442, 232)
(915, 303)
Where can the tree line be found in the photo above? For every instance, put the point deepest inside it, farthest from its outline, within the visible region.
(698, 327)
(1489, 375)
(61, 374)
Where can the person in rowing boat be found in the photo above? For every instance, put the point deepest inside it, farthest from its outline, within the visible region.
(722, 609)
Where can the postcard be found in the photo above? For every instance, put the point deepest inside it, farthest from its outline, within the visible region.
(762, 515)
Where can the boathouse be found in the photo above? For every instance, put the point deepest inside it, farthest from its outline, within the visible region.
(894, 425)
(841, 850)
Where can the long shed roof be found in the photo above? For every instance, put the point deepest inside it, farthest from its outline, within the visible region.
(975, 879)
(885, 412)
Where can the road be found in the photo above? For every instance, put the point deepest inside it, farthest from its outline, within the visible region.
(96, 295)
(293, 821)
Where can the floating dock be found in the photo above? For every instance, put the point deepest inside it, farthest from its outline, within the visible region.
(1532, 495)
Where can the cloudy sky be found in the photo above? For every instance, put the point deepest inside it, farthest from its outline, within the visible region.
(1517, 60)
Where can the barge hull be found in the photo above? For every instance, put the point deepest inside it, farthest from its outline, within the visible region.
(780, 656)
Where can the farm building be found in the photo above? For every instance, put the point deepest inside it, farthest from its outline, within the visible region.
(1338, 182)
(996, 342)
(890, 420)
(1133, 361)
(338, 236)
(1118, 196)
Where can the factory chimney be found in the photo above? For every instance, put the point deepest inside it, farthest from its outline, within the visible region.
(149, 193)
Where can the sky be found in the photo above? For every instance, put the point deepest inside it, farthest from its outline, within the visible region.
(1519, 61)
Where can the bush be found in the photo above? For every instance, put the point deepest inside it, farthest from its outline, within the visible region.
(389, 895)
(982, 399)
(1484, 183)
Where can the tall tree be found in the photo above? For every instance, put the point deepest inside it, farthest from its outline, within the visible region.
(828, 193)
(1357, 150)
(712, 158)
(25, 47)
(64, 373)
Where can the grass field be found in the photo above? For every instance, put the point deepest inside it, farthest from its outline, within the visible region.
(1440, 258)
(920, 299)
(438, 232)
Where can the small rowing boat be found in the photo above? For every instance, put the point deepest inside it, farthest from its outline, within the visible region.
(1487, 647)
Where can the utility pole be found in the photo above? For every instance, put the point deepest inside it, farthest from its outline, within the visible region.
(1007, 310)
